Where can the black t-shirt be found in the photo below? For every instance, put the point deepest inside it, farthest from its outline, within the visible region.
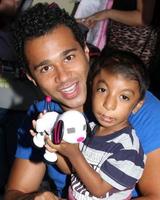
(125, 4)
(132, 4)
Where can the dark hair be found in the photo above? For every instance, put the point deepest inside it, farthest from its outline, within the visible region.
(38, 21)
(125, 63)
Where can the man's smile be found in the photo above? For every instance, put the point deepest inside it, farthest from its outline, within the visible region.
(70, 91)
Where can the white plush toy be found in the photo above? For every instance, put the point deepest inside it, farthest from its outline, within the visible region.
(70, 126)
(44, 126)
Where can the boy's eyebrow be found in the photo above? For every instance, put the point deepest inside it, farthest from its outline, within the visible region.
(101, 81)
(45, 62)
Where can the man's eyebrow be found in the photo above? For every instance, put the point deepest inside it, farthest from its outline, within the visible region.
(44, 62)
(64, 53)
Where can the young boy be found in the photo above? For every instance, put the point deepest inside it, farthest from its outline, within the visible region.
(111, 161)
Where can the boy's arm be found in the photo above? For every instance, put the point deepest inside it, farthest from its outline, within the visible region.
(90, 178)
(62, 162)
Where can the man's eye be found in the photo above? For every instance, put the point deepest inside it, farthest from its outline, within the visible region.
(46, 68)
(101, 90)
(69, 58)
(124, 97)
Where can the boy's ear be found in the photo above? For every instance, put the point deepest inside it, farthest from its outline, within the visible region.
(138, 106)
(31, 79)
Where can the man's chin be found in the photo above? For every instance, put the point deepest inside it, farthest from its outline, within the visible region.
(74, 105)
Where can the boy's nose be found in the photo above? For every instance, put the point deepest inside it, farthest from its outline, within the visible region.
(110, 103)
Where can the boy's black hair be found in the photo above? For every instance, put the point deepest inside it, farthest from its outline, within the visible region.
(38, 21)
(125, 63)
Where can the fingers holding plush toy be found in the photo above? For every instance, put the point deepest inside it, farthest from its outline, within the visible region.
(64, 148)
(44, 126)
(33, 131)
(70, 127)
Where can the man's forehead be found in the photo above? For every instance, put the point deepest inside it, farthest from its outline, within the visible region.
(58, 33)
(55, 44)
(63, 29)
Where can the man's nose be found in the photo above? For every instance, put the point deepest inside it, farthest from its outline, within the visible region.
(62, 74)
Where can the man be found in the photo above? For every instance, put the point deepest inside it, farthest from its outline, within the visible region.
(51, 47)
(59, 68)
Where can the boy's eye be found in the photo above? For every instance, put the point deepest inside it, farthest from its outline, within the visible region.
(101, 89)
(124, 97)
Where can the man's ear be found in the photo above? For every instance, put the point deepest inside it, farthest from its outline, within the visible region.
(31, 79)
(138, 106)
(86, 50)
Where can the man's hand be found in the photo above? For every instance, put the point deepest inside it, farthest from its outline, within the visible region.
(32, 131)
(46, 196)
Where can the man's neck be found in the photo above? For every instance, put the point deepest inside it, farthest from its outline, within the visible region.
(80, 109)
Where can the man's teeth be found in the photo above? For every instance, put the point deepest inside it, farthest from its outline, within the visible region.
(69, 89)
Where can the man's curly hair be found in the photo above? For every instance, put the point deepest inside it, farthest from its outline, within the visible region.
(38, 21)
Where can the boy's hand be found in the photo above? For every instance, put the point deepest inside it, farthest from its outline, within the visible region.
(64, 148)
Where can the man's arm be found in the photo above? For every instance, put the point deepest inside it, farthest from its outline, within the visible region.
(149, 184)
(24, 181)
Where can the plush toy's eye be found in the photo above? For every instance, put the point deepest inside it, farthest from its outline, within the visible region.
(84, 127)
(57, 132)
(71, 130)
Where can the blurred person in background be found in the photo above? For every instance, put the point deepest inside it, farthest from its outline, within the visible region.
(9, 119)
